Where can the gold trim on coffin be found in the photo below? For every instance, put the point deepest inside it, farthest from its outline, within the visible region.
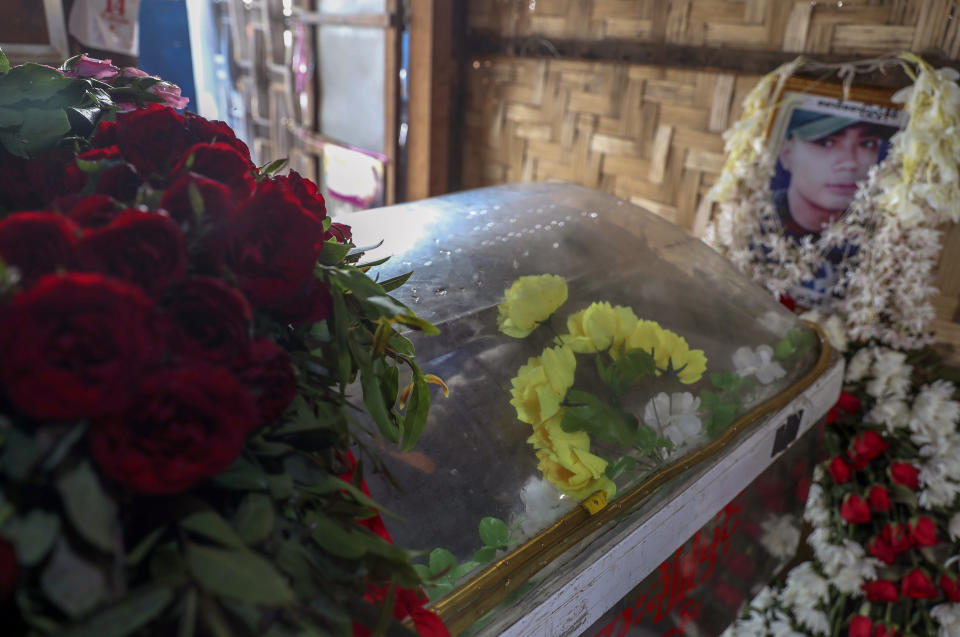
(464, 606)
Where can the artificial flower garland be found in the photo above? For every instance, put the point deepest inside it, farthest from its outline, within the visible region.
(541, 387)
(882, 293)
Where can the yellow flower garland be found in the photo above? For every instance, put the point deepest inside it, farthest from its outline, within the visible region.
(540, 386)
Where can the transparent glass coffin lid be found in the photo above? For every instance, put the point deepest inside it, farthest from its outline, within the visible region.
(654, 348)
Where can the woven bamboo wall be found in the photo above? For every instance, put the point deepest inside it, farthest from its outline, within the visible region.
(653, 134)
(862, 27)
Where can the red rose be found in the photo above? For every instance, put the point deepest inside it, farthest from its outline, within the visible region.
(101, 153)
(71, 346)
(880, 590)
(105, 135)
(880, 548)
(220, 162)
(860, 626)
(311, 303)
(119, 181)
(215, 206)
(205, 131)
(151, 138)
(9, 570)
(923, 532)
(38, 243)
(270, 378)
(306, 193)
(854, 509)
(339, 232)
(31, 184)
(898, 537)
(839, 470)
(92, 211)
(917, 585)
(905, 473)
(209, 320)
(272, 246)
(950, 587)
(868, 446)
(879, 630)
(846, 404)
(185, 425)
(145, 248)
(879, 498)
(788, 302)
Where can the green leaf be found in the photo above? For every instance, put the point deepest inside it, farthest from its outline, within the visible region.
(333, 252)
(238, 574)
(144, 547)
(416, 323)
(91, 511)
(83, 119)
(485, 555)
(624, 372)
(210, 525)
(33, 535)
(802, 339)
(4, 63)
(63, 446)
(126, 616)
(587, 412)
(401, 344)
(20, 453)
(441, 561)
(280, 485)
(10, 117)
(74, 584)
(336, 540)
(625, 463)
(423, 571)
(393, 283)
(272, 167)
(494, 533)
(242, 475)
(376, 405)
(726, 381)
(386, 306)
(254, 518)
(418, 407)
(32, 82)
(43, 128)
(784, 349)
(722, 413)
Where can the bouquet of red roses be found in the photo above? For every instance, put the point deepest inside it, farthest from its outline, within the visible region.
(178, 333)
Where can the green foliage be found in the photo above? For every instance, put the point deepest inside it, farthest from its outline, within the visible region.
(587, 412)
(624, 372)
(796, 341)
(722, 412)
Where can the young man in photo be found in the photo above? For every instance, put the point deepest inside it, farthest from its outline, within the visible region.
(826, 156)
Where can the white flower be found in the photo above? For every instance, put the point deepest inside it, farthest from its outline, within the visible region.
(894, 414)
(674, 415)
(816, 512)
(953, 528)
(891, 375)
(805, 587)
(833, 328)
(812, 618)
(780, 536)
(542, 505)
(758, 362)
(948, 616)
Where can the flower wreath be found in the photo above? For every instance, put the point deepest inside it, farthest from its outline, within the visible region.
(882, 293)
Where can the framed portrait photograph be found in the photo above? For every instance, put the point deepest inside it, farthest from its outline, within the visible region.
(825, 146)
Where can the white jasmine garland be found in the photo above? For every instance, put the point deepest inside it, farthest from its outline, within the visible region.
(859, 365)
(882, 292)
